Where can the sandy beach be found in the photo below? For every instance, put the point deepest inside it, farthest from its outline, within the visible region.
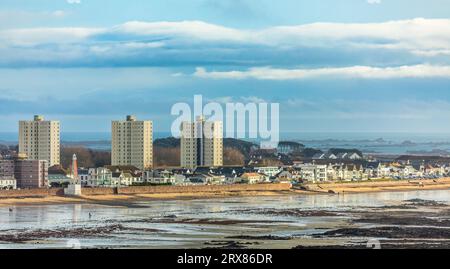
(379, 186)
(128, 200)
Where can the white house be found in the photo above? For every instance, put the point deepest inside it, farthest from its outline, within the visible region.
(313, 172)
(270, 171)
(8, 184)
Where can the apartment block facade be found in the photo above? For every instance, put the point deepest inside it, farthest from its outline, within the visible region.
(40, 140)
(132, 143)
(201, 143)
(6, 169)
(25, 174)
(31, 174)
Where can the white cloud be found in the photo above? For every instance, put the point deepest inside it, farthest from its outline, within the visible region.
(364, 72)
(191, 29)
(414, 34)
(197, 42)
(432, 53)
(36, 36)
(409, 35)
(143, 45)
(372, 2)
(73, 2)
(405, 34)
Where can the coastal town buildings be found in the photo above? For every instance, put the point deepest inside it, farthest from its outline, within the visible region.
(6, 169)
(201, 143)
(23, 173)
(253, 178)
(40, 140)
(57, 180)
(269, 171)
(125, 175)
(83, 175)
(201, 153)
(98, 177)
(31, 174)
(313, 172)
(160, 176)
(8, 184)
(339, 154)
(132, 143)
(7, 179)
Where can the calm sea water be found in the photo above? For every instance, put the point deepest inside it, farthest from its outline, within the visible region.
(76, 136)
(181, 235)
(384, 143)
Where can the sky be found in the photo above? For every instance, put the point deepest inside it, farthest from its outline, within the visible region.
(333, 66)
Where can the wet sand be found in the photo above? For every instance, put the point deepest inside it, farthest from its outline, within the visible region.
(307, 189)
(418, 219)
(415, 224)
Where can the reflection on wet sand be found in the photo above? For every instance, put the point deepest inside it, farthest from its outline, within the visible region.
(397, 220)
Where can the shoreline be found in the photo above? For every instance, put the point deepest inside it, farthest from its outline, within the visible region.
(132, 199)
(379, 186)
(126, 200)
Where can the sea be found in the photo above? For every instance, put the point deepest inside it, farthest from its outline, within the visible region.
(394, 143)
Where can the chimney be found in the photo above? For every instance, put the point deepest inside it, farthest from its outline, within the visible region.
(38, 118)
(131, 118)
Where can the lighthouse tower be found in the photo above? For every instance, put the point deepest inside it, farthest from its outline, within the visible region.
(75, 169)
(74, 188)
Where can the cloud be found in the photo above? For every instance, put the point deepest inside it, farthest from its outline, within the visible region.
(73, 2)
(432, 53)
(364, 72)
(40, 36)
(406, 34)
(198, 43)
(188, 29)
(372, 2)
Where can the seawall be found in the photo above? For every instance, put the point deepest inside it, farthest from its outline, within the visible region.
(148, 190)
(24, 193)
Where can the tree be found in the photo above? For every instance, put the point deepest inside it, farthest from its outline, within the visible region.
(232, 156)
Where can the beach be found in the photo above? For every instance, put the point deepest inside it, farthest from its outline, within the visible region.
(127, 199)
(396, 219)
(379, 186)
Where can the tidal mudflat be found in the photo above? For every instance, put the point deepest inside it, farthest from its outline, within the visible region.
(416, 219)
